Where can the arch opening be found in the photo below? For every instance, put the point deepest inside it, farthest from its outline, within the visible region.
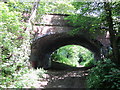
(73, 55)
(42, 48)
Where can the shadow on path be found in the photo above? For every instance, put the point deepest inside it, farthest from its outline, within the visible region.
(65, 76)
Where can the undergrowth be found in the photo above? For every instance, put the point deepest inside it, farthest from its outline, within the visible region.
(15, 69)
(105, 75)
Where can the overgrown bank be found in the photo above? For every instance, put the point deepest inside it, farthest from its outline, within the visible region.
(15, 69)
(105, 75)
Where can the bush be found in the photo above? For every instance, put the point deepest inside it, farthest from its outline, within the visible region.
(15, 50)
(104, 75)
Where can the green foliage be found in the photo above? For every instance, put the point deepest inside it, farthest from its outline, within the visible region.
(15, 43)
(91, 16)
(86, 18)
(81, 21)
(104, 75)
(67, 55)
(71, 54)
(15, 49)
(58, 7)
(23, 78)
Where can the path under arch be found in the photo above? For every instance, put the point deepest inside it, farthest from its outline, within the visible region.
(69, 77)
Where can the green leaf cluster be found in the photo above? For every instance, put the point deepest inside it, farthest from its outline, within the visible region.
(56, 7)
(104, 75)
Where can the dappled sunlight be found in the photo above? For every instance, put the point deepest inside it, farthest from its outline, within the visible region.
(65, 79)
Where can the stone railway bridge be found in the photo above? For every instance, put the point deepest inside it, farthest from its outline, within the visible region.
(53, 32)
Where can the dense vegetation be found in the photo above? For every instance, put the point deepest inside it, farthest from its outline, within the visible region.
(104, 75)
(73, 55)
(16, 36)
(15, 49)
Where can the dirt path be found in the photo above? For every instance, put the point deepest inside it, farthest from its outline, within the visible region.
(66, 79)
(69, 78)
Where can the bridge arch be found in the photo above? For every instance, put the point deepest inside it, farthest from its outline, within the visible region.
(43, 47)
(51, 33)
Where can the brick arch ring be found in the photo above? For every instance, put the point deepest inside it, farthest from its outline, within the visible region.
(42, 48)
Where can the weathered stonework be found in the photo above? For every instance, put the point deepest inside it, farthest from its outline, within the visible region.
(53, 34)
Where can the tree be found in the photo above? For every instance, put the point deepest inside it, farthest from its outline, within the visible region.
(113, 33)
(97, 17)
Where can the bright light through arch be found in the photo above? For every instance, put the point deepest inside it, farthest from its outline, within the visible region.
(73, 55)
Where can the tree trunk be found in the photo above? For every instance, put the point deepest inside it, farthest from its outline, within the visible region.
(112, 32)
(34, 10)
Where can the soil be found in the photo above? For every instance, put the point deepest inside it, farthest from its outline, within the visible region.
(64, 76)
